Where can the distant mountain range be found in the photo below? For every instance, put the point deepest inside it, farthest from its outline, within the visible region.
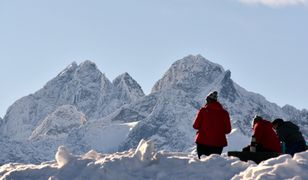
(83, 110)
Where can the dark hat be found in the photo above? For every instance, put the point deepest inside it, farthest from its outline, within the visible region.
(257, 118)
(277, 121)
(212, 96)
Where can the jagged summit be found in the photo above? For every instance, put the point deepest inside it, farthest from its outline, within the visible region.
(83, 74)
(123, 77)
(83, 86)
(127, 87)
(87, 72)
(189, 71)
(70, 68)
(88, 64)
(119, 115)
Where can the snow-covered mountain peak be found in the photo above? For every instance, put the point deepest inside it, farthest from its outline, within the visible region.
(69, 69)
(125, 77)
(51, 116)
(87, 72)
(83, 74)
(83, 86)
(189, 71)
(289, 108)
(88, 64)
(62, 121)
(87, 67)
(122, 76)
(127, 87)
(195, 64)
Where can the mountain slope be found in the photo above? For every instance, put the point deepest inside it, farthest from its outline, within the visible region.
(66, 118)
(182, 91)
(82, 86)
(128, 89)
(83, 110)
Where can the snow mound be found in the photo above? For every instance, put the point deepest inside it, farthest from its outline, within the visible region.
(146, 163)
(145, 150)
(282, 167)
(63, 156)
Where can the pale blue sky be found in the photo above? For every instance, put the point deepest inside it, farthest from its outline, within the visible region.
(266, 48)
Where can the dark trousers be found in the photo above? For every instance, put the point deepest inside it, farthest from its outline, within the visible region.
(208, 150)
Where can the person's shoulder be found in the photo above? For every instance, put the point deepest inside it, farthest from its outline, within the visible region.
(290, 124)
(203, 109)
(263, 123)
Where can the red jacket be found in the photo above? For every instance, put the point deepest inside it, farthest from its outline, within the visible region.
(265, 136)
(212, 123)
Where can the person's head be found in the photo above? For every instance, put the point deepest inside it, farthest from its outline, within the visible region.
(212, 97)
(277, 122)
(256, 119)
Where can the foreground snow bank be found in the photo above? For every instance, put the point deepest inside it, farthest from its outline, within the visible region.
(146, 163)
(283, 167)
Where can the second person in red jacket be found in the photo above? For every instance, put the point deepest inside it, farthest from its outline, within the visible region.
(264, 138)
(212, 123)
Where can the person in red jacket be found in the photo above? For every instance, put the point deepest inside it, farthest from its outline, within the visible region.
(213, 123)
(264, 138)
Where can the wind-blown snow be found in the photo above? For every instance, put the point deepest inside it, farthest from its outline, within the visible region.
(146, 163)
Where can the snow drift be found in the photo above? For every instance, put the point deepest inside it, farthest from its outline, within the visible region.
(146, 163)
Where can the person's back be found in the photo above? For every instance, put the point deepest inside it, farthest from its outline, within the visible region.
(212, 123)
(265, 136)
(290, 134)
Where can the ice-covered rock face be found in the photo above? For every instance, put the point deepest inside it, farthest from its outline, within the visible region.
(127, 88)
(165, 116)
(83, 86)
(169, 124)
(191, 72)
(181, 93)
(61, 122)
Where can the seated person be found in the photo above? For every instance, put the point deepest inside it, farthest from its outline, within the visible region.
(290, 134)
(264, 138)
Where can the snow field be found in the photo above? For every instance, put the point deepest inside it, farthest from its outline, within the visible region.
(146, 163)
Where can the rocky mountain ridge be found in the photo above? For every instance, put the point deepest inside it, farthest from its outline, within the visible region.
(83, 110)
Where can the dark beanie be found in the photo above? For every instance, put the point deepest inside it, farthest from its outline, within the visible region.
(212, 96)
(257, 118)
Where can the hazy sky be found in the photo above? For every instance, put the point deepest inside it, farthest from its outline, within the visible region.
(263, 42)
